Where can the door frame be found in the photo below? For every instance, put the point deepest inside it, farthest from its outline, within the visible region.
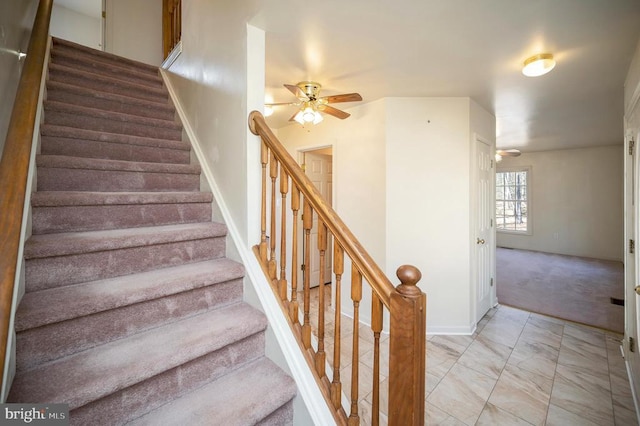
(300, 152)
(631, 215)
(631, 232)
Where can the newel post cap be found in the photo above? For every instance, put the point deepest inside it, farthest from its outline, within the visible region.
(409, 276)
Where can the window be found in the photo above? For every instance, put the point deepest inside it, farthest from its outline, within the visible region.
(512, 200)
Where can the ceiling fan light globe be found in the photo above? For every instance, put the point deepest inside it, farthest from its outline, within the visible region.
(308, 115)
(318, 118)
(299, 117)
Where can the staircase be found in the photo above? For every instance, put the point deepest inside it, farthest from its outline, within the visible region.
(132, 313)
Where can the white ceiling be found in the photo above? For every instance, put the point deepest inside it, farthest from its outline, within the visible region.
(86, 7)
(475, 48)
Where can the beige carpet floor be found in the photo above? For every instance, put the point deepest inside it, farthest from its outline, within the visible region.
(568, 287)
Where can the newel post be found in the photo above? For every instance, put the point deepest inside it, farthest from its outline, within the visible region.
(407, 350)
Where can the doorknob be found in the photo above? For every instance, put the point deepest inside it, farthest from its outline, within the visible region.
(482, 242)
(637, 289)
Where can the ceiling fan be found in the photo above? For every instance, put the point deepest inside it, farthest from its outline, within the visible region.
(311, 104)
(506, 153)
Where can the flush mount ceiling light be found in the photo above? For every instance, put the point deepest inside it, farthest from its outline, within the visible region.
(538, 65)
(500, 153)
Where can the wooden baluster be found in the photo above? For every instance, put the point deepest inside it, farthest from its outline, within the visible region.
(307, 224)
(295, 207)
(338, 270)
(273, 173)
(264, 155)
(356, 296)
(322, 248)
(407, 350)
(376, 327)
(178, 34)
(284, 188)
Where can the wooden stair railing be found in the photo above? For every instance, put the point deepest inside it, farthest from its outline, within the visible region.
(14, 167)
(406, 302)
(171, 25)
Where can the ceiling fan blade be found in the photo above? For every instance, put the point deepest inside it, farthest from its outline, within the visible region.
(347, 97)
(333, 111)
(508, 152)
(282, 103)
(293, 116)
(296, 91)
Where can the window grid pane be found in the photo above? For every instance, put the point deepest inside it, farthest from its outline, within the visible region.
(511, 201)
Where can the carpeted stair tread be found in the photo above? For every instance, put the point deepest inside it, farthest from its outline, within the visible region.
(85, 134)
(63, 303)
(81, 198)
(104, 83)
(59, 43)
(64, 244)
(108, 121)
(65, 162)
(90, 375)
(75, 211)
(86, 96)
(63, 73)
(94, 113)
(95, 65)
(135, 401)
(243, 397)
(56, 145)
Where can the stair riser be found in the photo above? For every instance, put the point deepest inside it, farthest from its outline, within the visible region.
(59, 118)
(57, 179)
(93, 57)
(282, 416)
(93, 101)
(50, 342)
(107, 69)
(109, 87)
(48, 220)
(135, 401)
(112, 151)
(56, 271)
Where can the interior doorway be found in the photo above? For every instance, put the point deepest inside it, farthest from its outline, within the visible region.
(317, 164)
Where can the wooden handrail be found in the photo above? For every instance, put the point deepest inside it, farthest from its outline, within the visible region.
(406, 303)
(14, 166)
(367, 266)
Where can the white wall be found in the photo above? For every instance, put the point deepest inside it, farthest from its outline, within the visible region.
(70, 25)
(16, 21)
(428, 211)
(212, 82)
(577, 202)
(134, 29)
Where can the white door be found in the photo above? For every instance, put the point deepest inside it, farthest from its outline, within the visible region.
(484, 231)
(318, 168)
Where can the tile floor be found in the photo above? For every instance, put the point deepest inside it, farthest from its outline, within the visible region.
(518, 368)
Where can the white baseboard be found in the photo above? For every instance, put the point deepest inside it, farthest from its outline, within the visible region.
(456, 330)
